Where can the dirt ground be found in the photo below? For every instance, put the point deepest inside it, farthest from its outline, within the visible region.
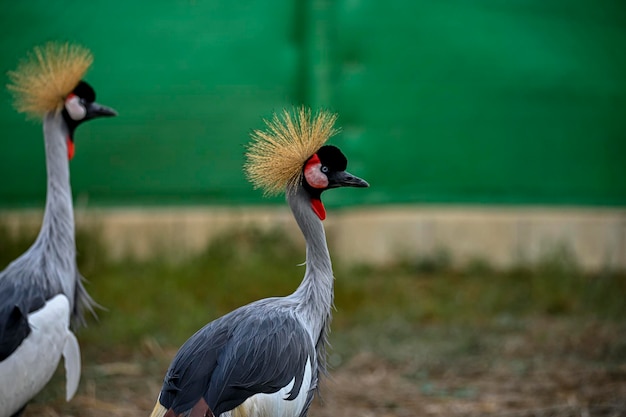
(543, 368)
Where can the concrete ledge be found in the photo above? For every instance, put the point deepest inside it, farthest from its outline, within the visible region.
(501, 236)
(504, 237)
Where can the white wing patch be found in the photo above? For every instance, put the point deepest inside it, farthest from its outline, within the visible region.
(71, 357)
(276, 405)
(30, 367)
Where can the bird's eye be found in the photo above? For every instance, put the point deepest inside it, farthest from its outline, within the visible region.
(324, 169)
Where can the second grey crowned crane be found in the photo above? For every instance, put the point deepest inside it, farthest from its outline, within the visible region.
(265, 358)
(42, 290)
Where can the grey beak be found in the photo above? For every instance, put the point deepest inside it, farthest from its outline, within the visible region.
(345, 179)
(98, 110)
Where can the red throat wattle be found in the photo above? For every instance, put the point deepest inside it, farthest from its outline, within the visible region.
(70, 149)
(318, 208)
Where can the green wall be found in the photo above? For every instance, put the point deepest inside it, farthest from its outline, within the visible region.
(449, 101)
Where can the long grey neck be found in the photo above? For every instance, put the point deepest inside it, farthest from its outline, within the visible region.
(56, 238)
(315, 293)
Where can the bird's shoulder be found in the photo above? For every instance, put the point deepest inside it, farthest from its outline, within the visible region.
(256, 322)
(23, 267)
(26, 284)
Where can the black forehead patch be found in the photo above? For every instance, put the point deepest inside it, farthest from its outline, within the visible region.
(332, 157)
(85, 91)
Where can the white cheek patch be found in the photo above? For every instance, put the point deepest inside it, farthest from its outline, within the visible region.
(314, 176)
(75, 108)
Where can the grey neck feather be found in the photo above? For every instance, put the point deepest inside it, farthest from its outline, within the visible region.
(315, 294)
(56, 238)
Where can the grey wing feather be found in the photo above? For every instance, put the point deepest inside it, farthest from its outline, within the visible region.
(82, 301)
(320, 367)
(189, 373)
(255, 349)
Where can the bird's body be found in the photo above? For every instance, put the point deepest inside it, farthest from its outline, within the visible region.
(38, 355)
(42, 291)
(252, 379)
(265, 358)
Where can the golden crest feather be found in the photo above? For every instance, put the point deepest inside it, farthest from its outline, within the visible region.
(50, 72)
(276, 156)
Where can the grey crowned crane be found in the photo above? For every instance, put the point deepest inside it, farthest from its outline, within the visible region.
(265, 358)
(42, 290)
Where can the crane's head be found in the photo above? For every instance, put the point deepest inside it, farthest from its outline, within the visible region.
(291, 154)
(49, 80)
(324, 170)
(79, 106)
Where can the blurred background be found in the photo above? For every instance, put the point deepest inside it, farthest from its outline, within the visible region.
(490, 248)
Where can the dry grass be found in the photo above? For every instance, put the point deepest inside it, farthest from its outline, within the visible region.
(412, 339)
(536, 367)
